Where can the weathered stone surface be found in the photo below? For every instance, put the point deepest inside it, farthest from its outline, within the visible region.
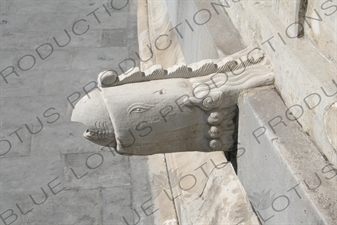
(37, 22)
(114, 37)
(143, 35)
(64, 141)
(30, 109)
(103, 58)
(16, 142)
(23, 40)
(11, 204)
(69, 207)
(53, 79)
(141, 190)
(295, 184)
(5, 5)
(80, 81)
(25, 175)
(206, 190)
(24, 86)
(154, 206)
(322, 28)
(94, 170)
(173, 112)
(302, 75)
(40, 160)
(288, 11)
(330, 122)
(198, 23)
(116, 205)
(29, 60)
(91, 39)
(166, 51)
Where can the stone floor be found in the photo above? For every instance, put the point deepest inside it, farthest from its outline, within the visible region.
(51, 53)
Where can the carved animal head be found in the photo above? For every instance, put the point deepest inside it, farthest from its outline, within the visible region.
(92, 112)
(184, 108)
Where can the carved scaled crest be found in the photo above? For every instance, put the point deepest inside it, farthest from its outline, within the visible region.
(198, 69)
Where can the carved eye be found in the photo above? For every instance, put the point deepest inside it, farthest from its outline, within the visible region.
(139, 108)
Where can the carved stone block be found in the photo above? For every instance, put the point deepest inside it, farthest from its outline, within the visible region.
(184, 108)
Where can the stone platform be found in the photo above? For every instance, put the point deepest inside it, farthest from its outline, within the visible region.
(282, 170)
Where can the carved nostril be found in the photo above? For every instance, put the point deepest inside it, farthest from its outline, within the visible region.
(87, 131)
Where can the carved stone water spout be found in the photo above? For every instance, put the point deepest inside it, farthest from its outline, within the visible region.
(183, 108)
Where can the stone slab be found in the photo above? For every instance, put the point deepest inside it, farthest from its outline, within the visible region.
(104, 20)
(60, 207)
(16, 142)
(79, 81)
(38, 22)
(282, 170)
(114, 37)
(206, 26)
(92, 38)
(58, 139)
(159, 23)
(69, 207)
(287, 11)
(11, 204)
(141, 190)
(45, 158)
(27, 84)
(25, 175)
(149, 199)
(95, 170)
(105, 59)
(29, 7)
(25, 110)
(116, 205)
(23, 40)
(4, 7)
(296, 76)
(322, 32)
(206, 190)
(28, 60)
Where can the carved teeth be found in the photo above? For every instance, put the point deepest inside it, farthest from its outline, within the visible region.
(179, 71)
(203, 67)
(131, 76)
(155, 72)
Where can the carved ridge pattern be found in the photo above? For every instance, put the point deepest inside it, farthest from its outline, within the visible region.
(101, 132)
(210, 102)
(198, 69)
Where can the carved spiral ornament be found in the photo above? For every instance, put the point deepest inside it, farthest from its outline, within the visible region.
(212, 101)
(208, 102)
(215, 144)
